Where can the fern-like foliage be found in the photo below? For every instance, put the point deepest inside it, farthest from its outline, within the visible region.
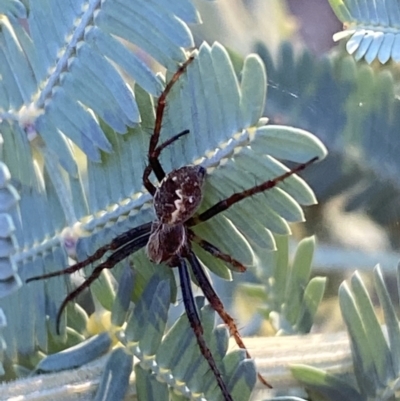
(375, 351)
(60, 45)
(75, 134)
(9, 279)
(166, 361)
(287, 295)
(74, 69)
(174, 359)
(372, 27)
(353, 109)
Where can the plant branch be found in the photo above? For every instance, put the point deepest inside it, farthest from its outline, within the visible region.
(273, 356)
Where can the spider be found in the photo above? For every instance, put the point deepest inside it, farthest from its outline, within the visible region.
(169, 237)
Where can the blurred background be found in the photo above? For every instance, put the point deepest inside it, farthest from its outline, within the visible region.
(353, 107)
(315, 85)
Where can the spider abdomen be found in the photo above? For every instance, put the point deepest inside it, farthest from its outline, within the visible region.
(179, 195)
(166, 243)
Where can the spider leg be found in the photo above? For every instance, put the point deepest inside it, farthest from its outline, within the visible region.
(168, 142)
(116, 243)
(237, 197)
(214, 251)
(109, 263)
(216, 303)
(195, 323)
(154, 163)
(149, 168)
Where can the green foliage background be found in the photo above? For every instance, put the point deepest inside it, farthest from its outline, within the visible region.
(76, 112)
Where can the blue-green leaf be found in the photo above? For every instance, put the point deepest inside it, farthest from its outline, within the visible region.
(114, 381)
(76, 356)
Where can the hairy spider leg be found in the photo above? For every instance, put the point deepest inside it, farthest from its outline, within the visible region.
(195, 323)
(153, 154)
(168, 142)
(147, 171)
(239, 196)
(119, 255)
(214, 251)
(218, 306)
(116, 243)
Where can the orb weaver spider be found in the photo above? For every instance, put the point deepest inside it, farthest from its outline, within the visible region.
(169, 237)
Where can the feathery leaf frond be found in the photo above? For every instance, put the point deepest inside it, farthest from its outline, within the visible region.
(375, 351)
(353, 109)
(288, 296)
(372, 27)
(75, 93)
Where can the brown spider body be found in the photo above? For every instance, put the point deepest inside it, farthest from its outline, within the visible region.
(167, 243)
(176, 200)
(179, 195)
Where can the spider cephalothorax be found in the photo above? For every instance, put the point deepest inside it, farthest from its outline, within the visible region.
(179, 195)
